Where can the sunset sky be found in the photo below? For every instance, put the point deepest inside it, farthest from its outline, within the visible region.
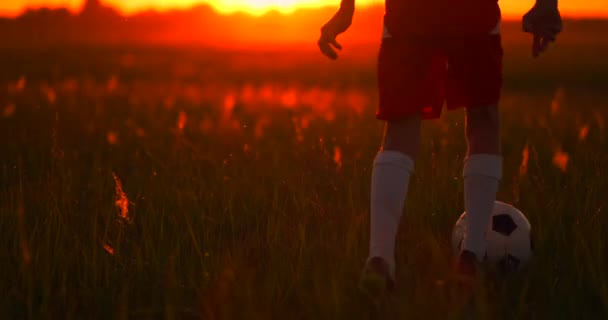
(511, 8)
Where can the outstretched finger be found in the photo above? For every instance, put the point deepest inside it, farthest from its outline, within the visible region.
(544, 44)
(327, 50)
(336, 44)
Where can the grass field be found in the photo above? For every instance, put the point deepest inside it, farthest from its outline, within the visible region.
(190, 183)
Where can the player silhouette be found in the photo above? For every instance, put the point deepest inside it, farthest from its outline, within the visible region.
(437, 52)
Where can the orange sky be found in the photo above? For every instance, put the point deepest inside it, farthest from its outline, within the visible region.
(511, 8)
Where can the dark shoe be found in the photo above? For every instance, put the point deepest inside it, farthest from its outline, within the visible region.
(376, 280)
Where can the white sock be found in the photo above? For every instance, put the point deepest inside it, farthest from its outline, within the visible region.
(390, 180)
(482, 174)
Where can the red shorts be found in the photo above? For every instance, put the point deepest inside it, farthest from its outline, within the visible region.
(419, 74)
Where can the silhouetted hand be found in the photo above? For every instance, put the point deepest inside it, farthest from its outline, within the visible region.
(544, 22)
(338, 24)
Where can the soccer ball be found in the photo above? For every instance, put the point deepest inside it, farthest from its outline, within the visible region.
(509, 243)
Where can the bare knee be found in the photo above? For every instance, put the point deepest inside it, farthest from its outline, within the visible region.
(403, 136)
(483, 130)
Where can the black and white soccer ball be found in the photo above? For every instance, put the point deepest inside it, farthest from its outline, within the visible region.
(509, 238)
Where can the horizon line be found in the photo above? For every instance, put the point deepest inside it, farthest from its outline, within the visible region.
(269, 11)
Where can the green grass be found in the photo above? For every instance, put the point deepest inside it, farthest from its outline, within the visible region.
(248, 214)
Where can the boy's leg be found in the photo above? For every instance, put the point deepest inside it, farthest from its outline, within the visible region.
(411, 77)
(392, 168)
(482, 173)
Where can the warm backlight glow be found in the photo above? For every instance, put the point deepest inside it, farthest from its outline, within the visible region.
(511, 8)
(255, 7)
